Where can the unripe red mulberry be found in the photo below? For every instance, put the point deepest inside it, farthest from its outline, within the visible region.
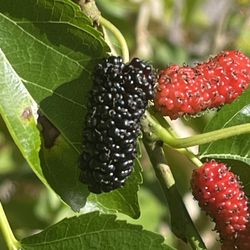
(221, 196)
(240, 242)
(190, 90)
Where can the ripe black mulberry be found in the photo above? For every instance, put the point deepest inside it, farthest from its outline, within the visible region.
(118, 99)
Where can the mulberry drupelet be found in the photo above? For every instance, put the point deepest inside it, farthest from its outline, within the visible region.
(118, 100)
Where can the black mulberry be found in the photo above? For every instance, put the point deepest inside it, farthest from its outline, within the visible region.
(118, 99)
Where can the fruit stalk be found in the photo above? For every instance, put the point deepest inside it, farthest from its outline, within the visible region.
(8, 235)
(118, 35)
(185, 151)
(204, 138)
(91, 10)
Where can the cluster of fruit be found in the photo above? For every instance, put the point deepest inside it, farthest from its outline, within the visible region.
(118, 100)
(188, 91)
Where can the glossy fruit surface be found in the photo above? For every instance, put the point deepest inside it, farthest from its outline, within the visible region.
(117, 101)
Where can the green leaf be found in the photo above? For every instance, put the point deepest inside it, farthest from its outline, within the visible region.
(18, 111)
(124, 200)
(60, 168)
(152, 211)
(242, 171)
(54, 56)
(234, 148)
(94, 231)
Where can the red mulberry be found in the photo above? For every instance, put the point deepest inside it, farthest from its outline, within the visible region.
(221, 196)
(190, 90)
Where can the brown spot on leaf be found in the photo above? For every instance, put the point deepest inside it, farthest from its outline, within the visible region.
(27, 113)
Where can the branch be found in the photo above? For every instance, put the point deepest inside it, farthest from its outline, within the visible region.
(90, 9)
(185, 151)
(182, 224)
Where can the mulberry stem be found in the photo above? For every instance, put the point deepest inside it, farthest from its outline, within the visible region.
(213, 136)
(91, 10)
(204, 138)
(10, 239)
(182, 224)
(191, 156)
(185, 151)
(118, 35)
(108, 41)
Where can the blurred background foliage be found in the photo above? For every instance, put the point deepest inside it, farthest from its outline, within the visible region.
(161, 32)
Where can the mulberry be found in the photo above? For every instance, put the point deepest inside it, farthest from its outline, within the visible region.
(190, 90)
(241, 241)
(118, 99)
(221, 196)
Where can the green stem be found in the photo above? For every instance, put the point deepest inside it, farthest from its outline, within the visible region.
(191, 156)
(182, 224)
(185, 151)
(108, 41)
(90, 9)
(208, 137)
(124, 47)
(213, 135)
(10, 239)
